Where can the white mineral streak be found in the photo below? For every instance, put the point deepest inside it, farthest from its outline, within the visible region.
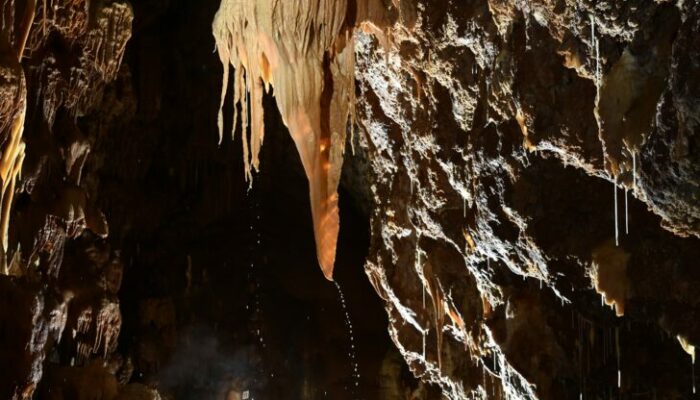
(304, 49)
(617, 229)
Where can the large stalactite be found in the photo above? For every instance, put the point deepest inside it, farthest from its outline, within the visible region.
(305, 50)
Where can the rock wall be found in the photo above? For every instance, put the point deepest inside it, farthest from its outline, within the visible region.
(127, 228)
(530, 171)
(60, 280)
(522, 156)
(523, 160)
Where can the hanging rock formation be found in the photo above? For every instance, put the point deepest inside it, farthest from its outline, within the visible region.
(305, 50)
(520, 157)
(59, 279)
(529, 172)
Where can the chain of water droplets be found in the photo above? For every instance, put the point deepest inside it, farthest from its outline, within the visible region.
(254, 278)
(256, 314)
(351, 354)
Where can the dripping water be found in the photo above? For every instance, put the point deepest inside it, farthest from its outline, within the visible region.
(254, 302)
(581, 376)
(597, 68)
(617, 353)
(692, 370)
(257, 252)
(627, 218)
(423, 272)
(617, 231)
(352, 354)
(634, 171)
(425, 331)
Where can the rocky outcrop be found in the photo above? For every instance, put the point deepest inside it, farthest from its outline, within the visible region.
(60, 281)
(511, 145)
(522, 157)
(529, 171)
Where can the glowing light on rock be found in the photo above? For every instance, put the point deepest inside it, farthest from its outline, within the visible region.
(305, 50)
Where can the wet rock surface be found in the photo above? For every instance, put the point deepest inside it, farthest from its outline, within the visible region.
(521, 186)
(139, 263)
(500, 135)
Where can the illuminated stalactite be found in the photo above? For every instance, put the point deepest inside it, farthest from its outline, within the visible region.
(13, 146)
(609, 275)
(305, 51)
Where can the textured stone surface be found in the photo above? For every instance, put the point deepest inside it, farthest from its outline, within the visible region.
(491, 161)
(60, 301)
(130, 241)
(491, 141)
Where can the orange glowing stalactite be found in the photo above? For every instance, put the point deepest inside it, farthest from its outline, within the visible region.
(304, 49)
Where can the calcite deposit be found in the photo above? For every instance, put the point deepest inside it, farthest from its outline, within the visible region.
(506, 193)
(511, 145)
(522, 156)
(305, 51)
(60, 282)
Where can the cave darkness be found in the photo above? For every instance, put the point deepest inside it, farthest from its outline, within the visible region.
(198, 319)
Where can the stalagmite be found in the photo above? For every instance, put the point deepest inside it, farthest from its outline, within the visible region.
(304, 49)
